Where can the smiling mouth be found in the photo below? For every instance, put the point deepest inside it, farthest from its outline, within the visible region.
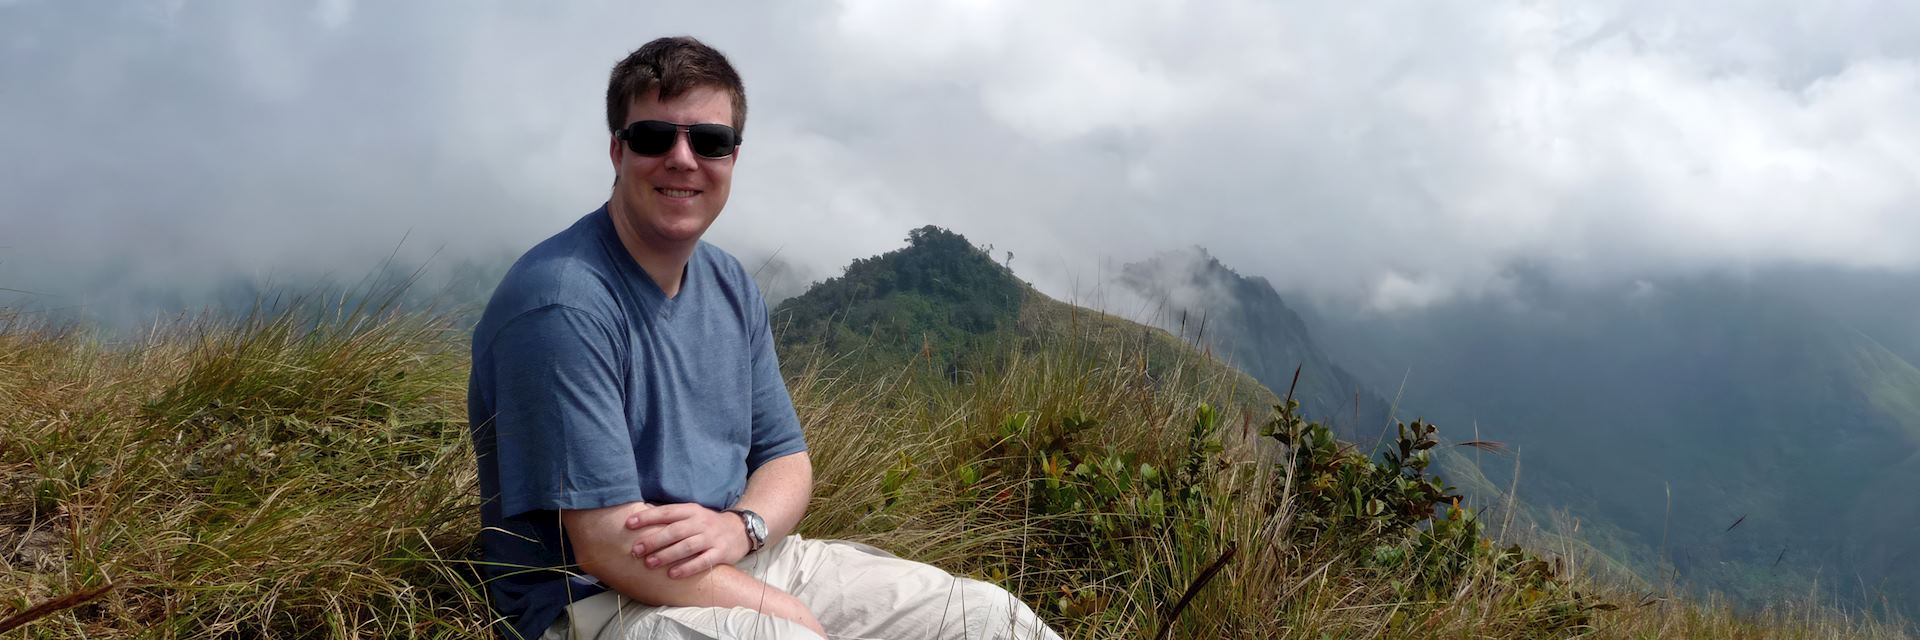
(677, 193)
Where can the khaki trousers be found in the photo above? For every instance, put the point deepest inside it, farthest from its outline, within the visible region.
(857, 592)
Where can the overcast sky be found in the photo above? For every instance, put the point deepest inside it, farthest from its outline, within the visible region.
(1392, 154)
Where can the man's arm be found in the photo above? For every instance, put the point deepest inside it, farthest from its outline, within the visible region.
(689, 539)
(601, 544)
(779, 491)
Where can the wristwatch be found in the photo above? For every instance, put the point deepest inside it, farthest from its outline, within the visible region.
(756, 528)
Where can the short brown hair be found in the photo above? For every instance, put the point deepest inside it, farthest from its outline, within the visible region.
(674, 66)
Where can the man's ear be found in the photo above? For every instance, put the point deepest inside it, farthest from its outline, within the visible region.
(613, 154)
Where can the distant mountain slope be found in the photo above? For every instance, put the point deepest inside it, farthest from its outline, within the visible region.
(1757, 442)
(1243, 320)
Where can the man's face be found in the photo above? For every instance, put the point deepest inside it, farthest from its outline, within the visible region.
(668, 201)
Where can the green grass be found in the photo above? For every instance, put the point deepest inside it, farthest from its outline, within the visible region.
(309, 475)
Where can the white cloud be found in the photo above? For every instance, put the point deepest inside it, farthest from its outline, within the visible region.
(1396, 292)
(333, 14)
(1391, 154)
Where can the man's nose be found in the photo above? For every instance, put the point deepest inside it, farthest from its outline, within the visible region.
(680, 156)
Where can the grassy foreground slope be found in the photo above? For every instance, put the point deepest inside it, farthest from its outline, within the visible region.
(283, 477)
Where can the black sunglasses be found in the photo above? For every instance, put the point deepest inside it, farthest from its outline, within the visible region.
(656, 138)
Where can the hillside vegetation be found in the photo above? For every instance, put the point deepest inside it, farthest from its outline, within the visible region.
(277, 476)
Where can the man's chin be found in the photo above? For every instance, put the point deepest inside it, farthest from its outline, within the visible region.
(679, 232)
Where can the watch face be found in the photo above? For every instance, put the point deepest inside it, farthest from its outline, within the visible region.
(758, 525)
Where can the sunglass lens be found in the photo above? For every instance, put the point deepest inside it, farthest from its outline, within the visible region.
(651, 137)
(712, 140)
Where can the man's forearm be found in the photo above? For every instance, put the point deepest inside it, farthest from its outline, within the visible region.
(601, 542)
(779, 491)
(723, 586)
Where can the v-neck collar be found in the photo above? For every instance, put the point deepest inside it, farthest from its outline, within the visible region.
(660, 304)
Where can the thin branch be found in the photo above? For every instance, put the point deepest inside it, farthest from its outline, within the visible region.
(1206, 575)
(53, 606)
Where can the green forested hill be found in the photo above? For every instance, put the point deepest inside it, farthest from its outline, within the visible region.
(939, 297)
(942, 304)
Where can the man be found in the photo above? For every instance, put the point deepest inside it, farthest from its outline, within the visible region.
(641, 464)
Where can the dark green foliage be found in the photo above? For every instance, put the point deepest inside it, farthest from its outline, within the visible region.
(1114, 512)
(1393, 517)
(935, 299)
(1111, 512)
(1339, 491)
(1113, 497)
(1342, 491)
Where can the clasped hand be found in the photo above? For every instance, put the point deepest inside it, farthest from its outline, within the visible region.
(687, 538)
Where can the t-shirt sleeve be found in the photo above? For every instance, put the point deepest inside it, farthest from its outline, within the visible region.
(776, 428)
(560, 421)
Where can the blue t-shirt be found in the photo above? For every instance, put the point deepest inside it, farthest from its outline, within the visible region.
(591, 388)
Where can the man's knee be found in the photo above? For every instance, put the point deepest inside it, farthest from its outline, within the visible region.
(877, 593)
